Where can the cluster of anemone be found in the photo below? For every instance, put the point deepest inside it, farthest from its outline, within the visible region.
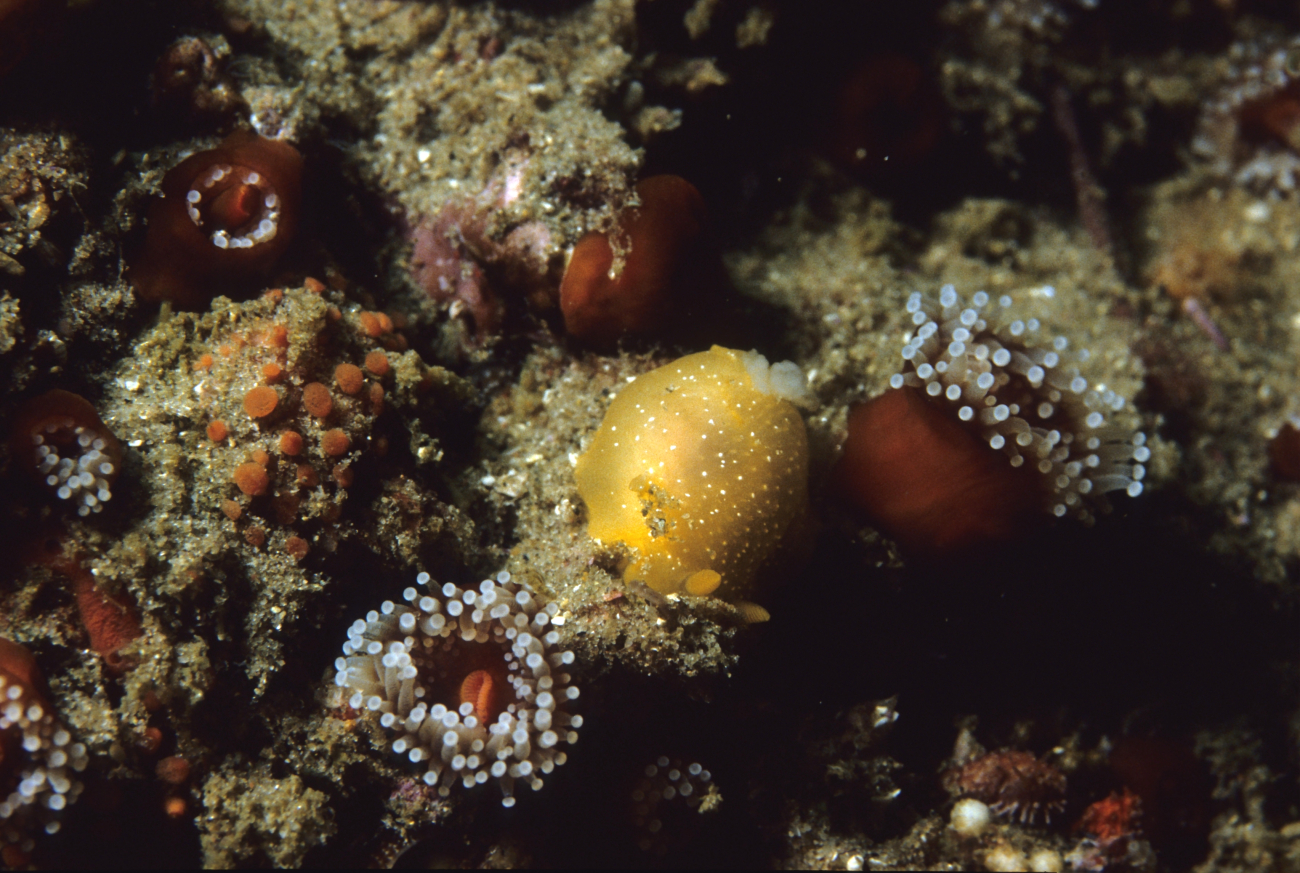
(1247, 130)
(226, 215)
(1025, 395)
(40, 782)
(665, 781)
(470, 682)
(68, 449)
(80, 473)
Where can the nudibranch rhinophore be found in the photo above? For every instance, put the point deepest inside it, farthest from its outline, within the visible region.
(700, 467)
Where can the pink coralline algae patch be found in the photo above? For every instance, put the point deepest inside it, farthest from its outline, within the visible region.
(462, 259)
(443, 265)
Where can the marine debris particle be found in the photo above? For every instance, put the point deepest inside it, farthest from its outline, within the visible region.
(432, 672)
(981, 373)
(700, 466)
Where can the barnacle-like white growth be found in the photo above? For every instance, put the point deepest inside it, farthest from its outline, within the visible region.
(1025, 394)
(415, 665)
(42, 774)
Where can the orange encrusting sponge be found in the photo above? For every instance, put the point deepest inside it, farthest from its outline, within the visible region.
(699, 471)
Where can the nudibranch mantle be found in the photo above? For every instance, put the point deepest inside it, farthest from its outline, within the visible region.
(700, 467)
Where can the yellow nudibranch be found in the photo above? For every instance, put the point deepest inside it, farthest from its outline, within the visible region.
(700, 466)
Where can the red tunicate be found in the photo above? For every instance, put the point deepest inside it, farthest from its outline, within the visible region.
(1175, 788)
(1284, 452)
(22, 25)
(110, 622)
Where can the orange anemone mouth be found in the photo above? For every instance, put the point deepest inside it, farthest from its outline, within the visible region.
(479, 689)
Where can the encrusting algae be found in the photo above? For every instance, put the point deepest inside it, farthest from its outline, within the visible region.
(700, 466)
